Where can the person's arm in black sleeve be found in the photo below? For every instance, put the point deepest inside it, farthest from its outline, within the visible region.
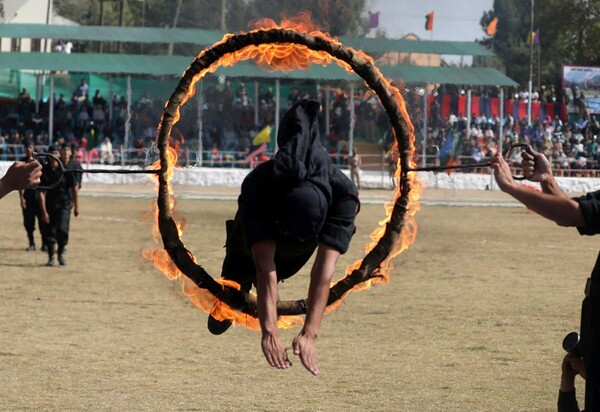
(339, 226)
(590, 209)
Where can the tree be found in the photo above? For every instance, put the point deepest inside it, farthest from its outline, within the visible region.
(568, 29)
(338, 17)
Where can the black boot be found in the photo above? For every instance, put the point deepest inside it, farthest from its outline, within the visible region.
(50, 255)
(217, 327)
(31, 242)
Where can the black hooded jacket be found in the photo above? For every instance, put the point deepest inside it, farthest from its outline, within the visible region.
(298, 198)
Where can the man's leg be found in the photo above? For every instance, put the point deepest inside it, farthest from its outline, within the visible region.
(29, 223)
(62, 233)
(50, 235)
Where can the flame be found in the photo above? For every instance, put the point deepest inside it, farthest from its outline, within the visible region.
(285, 57)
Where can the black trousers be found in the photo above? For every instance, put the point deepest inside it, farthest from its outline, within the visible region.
(30, 213)
(57, 231)
(239, 266)
(590, 339)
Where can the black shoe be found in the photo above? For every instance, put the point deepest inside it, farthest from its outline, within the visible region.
(217, 327)
(30, 248)
(44, 248)
(61, 260)
(50, 262)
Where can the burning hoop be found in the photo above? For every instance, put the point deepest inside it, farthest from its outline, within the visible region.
(293, 44)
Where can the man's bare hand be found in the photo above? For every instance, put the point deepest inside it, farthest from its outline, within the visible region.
(275, 352)
(21, 175)
(535, 166)
(502, 172)
(305, 346)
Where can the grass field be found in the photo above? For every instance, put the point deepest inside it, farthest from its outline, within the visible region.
(472, 320)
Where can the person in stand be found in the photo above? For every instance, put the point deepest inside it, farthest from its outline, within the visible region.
(355, 164)
(56, 204)
(30, 204)
(20, 176)
(290, 206)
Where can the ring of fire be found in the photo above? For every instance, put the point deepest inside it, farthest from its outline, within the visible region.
(296, 43)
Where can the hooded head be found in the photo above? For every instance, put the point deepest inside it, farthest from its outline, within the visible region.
(301, 171)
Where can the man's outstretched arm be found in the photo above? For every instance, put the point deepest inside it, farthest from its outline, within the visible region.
(318, 293)
(263, 253)
(552, 203)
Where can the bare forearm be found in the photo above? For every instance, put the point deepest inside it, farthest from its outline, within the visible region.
(555, 206)
(42, 200)
(318, 292)
(267, 300)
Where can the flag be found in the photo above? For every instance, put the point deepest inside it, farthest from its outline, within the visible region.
(264, 136)
(374, 20)
(429, 22)
(491, 28)
(536, 36)
(258, 151)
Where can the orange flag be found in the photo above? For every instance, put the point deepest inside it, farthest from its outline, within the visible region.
(491, 28)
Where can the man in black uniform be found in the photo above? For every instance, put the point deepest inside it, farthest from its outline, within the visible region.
(289, 207)
(56, 206)
(68, 156)
(580, 212)
(30, 204)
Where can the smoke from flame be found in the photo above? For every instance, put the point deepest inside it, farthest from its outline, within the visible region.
(284, 57)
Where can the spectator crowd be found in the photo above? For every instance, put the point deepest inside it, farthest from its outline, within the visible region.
(231, 118)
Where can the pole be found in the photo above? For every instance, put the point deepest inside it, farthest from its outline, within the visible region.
(352, 121)
(128, 120)
(101, 23)
(277, 93)
(223, 16)
(37, 92)
(110, 99)
(500, 127)
(143, 23)
(121, 21)
(51, 110)
(424, 132)
(200, 124)
(469, 108)
(175, 20)
(530, 66)
(48, 14)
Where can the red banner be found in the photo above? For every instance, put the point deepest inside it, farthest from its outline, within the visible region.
(430, 98)
(495, 107)
(522, 110)
(446, 106)
(509, 107)
(475, 106)
(535, 111)
(462, 106)
(550, 110)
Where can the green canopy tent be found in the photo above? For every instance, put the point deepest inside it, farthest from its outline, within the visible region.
(153, 65)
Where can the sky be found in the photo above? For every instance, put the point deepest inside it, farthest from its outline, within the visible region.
(455, 20)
